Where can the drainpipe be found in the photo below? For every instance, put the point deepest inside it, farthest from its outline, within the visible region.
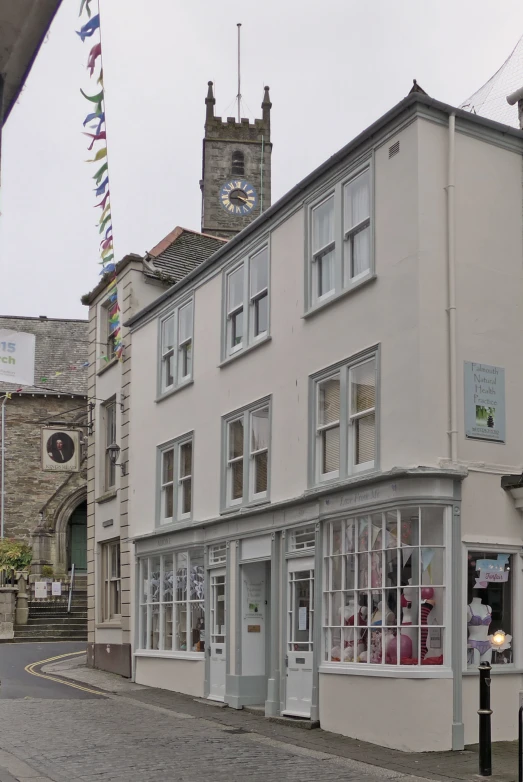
(451, 276)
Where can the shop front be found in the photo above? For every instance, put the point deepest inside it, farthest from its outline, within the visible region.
(362, 608)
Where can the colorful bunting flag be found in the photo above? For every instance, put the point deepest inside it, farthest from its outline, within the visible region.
(89, 28)
(101, 177)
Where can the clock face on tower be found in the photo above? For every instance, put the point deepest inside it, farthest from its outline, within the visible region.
(238, 197)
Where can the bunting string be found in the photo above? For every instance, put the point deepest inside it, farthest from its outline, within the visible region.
(95, 122)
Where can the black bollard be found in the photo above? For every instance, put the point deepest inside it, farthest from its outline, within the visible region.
(485, 739)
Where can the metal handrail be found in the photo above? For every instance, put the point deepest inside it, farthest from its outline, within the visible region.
(71, 587)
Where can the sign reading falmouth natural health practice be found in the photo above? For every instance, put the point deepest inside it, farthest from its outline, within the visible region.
(484, 402)
(17, 357)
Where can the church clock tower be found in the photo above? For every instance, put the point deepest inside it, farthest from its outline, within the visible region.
(236, 170)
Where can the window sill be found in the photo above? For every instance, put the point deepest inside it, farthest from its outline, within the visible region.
(170, 655)
(313, 309)
(107, 366)
(109, 495)
(402, 672)
(248, 349)
(345, 481)
(174, 525)
(167, 394)
(247, 506)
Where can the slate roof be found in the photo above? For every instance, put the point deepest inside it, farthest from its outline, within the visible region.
(60, 344)
(180, 252)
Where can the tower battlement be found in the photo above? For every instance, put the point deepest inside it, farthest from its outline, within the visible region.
(235, 151)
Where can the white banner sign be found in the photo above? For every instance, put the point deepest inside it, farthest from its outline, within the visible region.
(56, 587)
(487, 577)
(40, 590)
(17, 357)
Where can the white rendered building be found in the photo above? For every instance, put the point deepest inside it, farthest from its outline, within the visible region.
(325, 441)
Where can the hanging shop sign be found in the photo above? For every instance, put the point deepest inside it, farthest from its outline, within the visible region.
(484, 402)
(17, 357)
(60, 450)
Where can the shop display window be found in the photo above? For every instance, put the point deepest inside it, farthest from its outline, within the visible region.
(384, 588)
(489, 608)
(172, 616)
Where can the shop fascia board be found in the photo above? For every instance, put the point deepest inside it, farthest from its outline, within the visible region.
(360, 482)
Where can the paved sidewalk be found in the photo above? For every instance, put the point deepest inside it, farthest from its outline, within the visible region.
(441, 766)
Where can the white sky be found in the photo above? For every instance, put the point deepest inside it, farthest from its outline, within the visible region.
(334, 67)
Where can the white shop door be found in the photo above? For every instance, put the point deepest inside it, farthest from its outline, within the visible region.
(300, 627)
(217, 627)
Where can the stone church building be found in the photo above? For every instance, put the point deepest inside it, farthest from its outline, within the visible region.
(48, 509)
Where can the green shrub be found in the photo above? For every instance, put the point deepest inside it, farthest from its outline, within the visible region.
(14, 555)
(47, 571)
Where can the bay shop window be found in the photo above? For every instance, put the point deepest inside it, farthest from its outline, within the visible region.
(171, 612)
(384, 588)
(490, 589)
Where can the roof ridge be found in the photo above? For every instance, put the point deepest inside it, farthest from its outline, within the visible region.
(44, 319)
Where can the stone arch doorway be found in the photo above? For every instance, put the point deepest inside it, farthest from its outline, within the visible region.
(77, 539)
(70, 532)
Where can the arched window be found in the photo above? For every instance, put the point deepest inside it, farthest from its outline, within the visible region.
(238, 163)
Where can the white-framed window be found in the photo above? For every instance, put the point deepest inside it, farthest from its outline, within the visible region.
(302, 538)
(108, 329)
(171, 606)
(176, 476)
(490, 606)
(247, 446)
(176, 348)
(323, 249)
(111, 581)
(218, 554)
(340, 238)
(385, 597)
(344, 436)
(109, 414)
(247, 302)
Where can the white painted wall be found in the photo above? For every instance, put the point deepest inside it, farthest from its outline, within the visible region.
(404, 310)
(185, 676)
(413, 715)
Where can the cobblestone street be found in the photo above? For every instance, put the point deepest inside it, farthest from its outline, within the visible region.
(130, 733)
(116, 741)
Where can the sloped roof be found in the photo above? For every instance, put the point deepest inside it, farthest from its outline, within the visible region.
(23, 25)
(182, 251)
(60, 344)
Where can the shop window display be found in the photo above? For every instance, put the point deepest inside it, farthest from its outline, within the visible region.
(172, 602)
(384, 588)
(489, 608)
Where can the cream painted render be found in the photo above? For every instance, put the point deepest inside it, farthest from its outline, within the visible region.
(107, 511)
(404, 312)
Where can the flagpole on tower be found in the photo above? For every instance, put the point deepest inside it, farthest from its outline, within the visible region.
(239, 95)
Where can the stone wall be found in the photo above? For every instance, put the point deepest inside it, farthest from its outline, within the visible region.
(7, 612)
(33, 498)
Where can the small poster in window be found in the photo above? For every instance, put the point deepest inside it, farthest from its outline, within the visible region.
(435, 637)
(302, 618)
(56, 588)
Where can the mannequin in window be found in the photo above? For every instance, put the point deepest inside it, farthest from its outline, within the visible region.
(409, 610)
(351, 635)
(479, 617)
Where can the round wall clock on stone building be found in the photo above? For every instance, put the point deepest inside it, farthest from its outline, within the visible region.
(238, 197)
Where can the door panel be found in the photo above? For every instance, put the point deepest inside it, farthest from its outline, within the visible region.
(218, 661)
(300, 630)
(79, 538)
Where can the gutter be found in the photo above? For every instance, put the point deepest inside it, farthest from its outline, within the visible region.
(406, 104)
